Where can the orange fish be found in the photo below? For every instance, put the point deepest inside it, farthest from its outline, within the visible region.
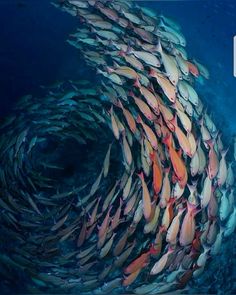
(137, 263)
(143, 107)
(132, 277)
(187, 231)
(157, 172)
(193, 69)
(149, 96)
(177, 162)
(182, 138)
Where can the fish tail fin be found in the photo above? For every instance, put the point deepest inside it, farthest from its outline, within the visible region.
(122, 53)
(192, 208)
(152, 72)
(129, 49)
(161, 23)
(162, 228)
(116, 65)
(141, 175)
(210, 143)
(139, 119)
(150, 88)
(98, 71)
(167, 140)
(152, 156)
(137, 83)
(222, 228)
(119, 104)
(171, 201)
(201, 121)
(224, 152)
(110, 111)
(181, 210)
(174, 121)
(192, 187)
(167, 170)
(171, 249)
(131, 93)
(158, 46)
(152, 250)
(109, 70)
(130, 25)
(206, 248)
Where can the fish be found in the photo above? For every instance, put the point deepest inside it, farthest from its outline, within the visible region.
(224, 209)
(146, 57)
(173, 230)
(59, 223)
(121, 243)
(150, 227)
(106, 248)
(222, 171)
(126, 72)
(149, 133)
(131, 278)
(187, 230)
(121, 259)
(128, 116)
(166, 189)
(143, 107)
(115, 128)
(182, 138)
(126, 150)
(161, 263)
(137, 263)
(132, 60)
(206, 191)
(170, 65)
(178, 164)
(107, 161)
(216, 247)
(96, 184)
(213, 165)
(116, 218)
(168, 89)
(145, 197)
(149, 96)
(231, 224)
(157, 173)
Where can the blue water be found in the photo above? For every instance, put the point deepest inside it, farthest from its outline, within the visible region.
(33, 50)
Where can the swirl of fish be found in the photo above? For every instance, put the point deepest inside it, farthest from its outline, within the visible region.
(147, 217)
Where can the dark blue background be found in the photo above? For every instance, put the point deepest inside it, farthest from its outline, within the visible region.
(33, 50)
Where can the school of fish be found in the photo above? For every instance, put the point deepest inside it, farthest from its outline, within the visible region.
(147, 218)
